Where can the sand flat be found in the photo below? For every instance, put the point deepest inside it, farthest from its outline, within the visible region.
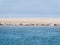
(30, 21)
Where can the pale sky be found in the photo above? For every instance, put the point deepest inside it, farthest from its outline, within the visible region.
(30, 8)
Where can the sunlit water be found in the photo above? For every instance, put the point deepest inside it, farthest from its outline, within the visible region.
(32, 35)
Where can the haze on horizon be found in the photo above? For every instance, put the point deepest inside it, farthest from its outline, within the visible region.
(29, 8)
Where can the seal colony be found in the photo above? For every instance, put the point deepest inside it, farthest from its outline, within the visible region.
(30, 21)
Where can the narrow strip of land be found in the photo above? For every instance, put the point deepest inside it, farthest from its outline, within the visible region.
(30, 21)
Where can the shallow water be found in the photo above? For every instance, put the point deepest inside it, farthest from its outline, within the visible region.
(32, 35)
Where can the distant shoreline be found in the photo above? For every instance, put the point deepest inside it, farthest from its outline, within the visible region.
(30, 21)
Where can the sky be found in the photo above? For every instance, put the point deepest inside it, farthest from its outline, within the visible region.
(30, 8)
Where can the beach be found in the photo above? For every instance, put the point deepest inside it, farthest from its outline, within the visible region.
(30, 21)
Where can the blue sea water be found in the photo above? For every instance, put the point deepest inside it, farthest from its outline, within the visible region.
(29, 35)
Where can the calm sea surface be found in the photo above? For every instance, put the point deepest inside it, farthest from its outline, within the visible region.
(23, 35)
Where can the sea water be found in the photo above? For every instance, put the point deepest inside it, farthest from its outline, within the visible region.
(29, 35)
